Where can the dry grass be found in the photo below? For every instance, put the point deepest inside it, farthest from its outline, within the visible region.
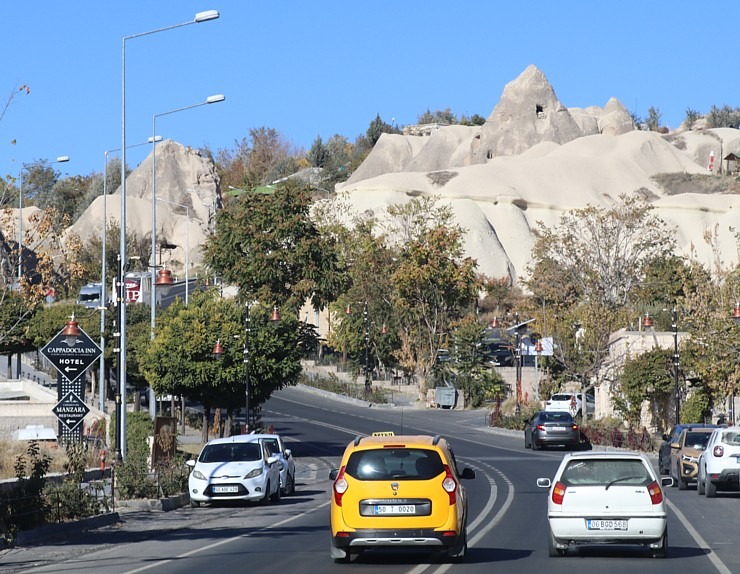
(10, 450)
(676, 183)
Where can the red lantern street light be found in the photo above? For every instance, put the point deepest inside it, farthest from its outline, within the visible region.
(495, 323)
(71, 331)
(647, 321)
(218, 350)
(736, 314)
(275, 316)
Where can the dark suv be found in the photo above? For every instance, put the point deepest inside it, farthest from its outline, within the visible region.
(664, 454)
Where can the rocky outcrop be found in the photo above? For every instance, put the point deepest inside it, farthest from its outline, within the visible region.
(187, 187)
(528, 113)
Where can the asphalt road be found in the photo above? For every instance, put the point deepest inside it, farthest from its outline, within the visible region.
(507, 524)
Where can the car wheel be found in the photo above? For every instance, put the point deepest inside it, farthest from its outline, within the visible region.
(682, 484)
(661, 467)
(526, 442)
(339, 555)
(275, 496)
(710, 489)
(552, 549)
(676, 477)
(457, 553)
(290, 485)
(662, 550)
(699, 486)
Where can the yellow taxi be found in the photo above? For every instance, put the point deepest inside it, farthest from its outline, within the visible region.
(398, 492)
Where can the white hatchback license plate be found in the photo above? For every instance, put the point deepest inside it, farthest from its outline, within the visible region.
(606, 524)
(395, 509)
(225, 489)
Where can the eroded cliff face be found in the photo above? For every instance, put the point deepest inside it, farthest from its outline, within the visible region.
(535, 159)
(187, 187)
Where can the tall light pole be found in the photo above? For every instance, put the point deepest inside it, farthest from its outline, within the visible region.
(60, 159)
(674, 326)
(209, 100)
(103, 280)
(199, 17)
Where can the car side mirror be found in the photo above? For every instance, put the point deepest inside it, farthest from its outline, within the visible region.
(287, 453)
(675, 445)
(467, 473)
(272, 460)
(666, 481)
(333, 473)
(190, 463)
(544, 482)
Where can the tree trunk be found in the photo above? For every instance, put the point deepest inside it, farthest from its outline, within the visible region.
(205, 423)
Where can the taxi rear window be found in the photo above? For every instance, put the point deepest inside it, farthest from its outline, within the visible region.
(394, 463)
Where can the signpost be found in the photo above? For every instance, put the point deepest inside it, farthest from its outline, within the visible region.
(71, 352)
(71, 411)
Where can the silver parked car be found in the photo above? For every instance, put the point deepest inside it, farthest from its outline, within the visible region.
(276, 447)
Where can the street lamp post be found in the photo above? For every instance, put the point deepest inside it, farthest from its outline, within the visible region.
(676, 358)
(209, 100)
(199, 17)
(218, 352)
(103, 278)
(60, 159)
(366, 320)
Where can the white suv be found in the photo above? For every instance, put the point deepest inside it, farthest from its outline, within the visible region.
(719, 463)
(564, 402)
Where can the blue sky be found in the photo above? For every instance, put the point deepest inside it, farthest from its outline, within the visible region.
(322, 68)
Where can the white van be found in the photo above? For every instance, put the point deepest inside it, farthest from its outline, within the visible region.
(90, 295)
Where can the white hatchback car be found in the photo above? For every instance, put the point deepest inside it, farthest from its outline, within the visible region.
(276, 446)
(564, 402)
(606, 498)
(234, 468)
(719, 462)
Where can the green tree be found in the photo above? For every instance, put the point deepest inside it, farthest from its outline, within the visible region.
(318, 155)
(377, 128)
(691, 117)
(600, 255)
(477, 380)
(653, 119)
(180, 358)
(724, 117)
(434, 284)
(268, 246)
(647, 377)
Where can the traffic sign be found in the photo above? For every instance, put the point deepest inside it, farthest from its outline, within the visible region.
(71, 411)
(71, 357)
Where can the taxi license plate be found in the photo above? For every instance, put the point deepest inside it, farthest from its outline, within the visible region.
(225, 489)
(394, 509)
(606, 524)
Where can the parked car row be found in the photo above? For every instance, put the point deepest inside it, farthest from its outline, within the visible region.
(705, 454)
(250, 468)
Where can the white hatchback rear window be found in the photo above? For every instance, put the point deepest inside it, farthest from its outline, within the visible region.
(605, 472)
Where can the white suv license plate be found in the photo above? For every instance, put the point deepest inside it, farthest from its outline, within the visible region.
(381, 509)
(225, 489)
(606, 524)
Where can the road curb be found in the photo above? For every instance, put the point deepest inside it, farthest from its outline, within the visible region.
(29, 537)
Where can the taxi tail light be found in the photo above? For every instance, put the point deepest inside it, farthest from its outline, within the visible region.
(340, 487)
(450, 485)
(656, 494)
(558, 493)
(718, 450)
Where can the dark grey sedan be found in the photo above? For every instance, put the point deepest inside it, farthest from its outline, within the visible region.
(551, 428)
